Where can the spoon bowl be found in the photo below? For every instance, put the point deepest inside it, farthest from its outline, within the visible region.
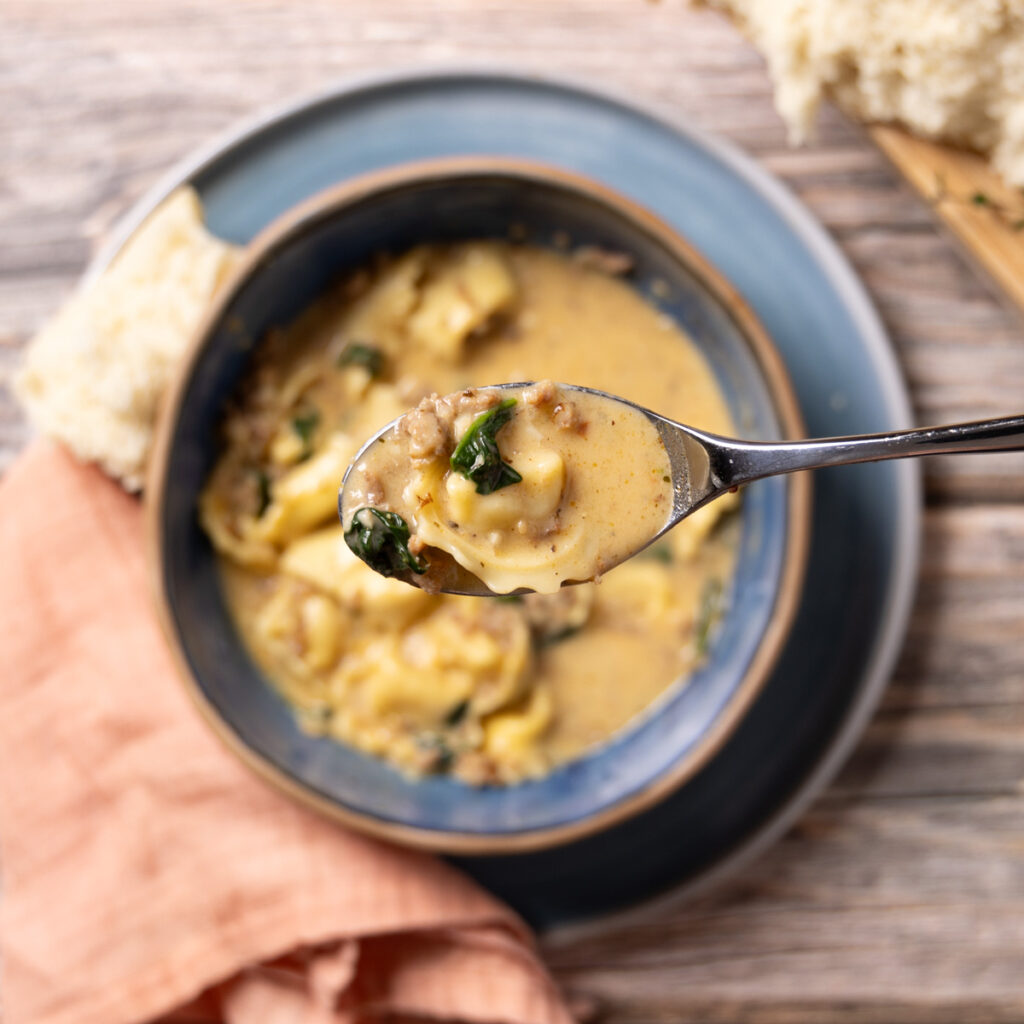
(702, 467)
(630, 492)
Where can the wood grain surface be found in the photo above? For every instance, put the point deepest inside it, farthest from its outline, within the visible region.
(983, 212)
(900, 896)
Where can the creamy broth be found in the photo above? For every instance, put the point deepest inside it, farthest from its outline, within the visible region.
(492, 690)
(526, 488)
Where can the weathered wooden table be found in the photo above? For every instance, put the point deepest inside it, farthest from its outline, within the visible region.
(900, 896)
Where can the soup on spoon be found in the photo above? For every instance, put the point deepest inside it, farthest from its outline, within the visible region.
(523, 487)
(591, 480)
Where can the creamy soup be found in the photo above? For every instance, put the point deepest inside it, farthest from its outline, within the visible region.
(525, 488)
(492, 690)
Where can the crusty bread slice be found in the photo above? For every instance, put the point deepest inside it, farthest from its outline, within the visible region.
(93, 376)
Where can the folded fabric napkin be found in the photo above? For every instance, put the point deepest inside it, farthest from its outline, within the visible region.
(145, 870)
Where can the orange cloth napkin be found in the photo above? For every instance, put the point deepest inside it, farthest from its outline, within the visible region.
(143, 866)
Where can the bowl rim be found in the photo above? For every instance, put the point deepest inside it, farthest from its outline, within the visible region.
(332, 201)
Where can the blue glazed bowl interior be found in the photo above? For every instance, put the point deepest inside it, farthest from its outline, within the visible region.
(297, 269)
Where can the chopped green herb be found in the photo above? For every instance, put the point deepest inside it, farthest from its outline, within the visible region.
(263, 492)
(1018, 225)
(509, 598)
(319, 714)
(457, 713)
(980, 199)
(444, 756)
(358, 354)
(381, 540)
(659, 552)
(542, 640)
(707, 615)
(305, 424)
(477, 456)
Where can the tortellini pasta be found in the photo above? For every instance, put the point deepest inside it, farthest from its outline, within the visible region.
(323, 560)
(512, 736)
(306, 496)
(466, 291)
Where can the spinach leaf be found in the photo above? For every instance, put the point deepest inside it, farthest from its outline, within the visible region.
(509, 598)
(381, 540)
(358, 354)
(263, 492)
(443, 755)
(707, 615)
(305, 424)
(542, 639)
(477, 456)
(317, 717)
(658, 553)
(457, 713)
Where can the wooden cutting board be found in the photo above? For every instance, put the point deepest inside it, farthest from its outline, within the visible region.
(981, 210)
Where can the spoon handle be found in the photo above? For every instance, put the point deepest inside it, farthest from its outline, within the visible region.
(739, 462)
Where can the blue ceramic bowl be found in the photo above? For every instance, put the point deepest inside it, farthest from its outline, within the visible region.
(292, 263)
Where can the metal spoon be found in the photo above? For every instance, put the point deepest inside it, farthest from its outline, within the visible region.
(705, 466)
